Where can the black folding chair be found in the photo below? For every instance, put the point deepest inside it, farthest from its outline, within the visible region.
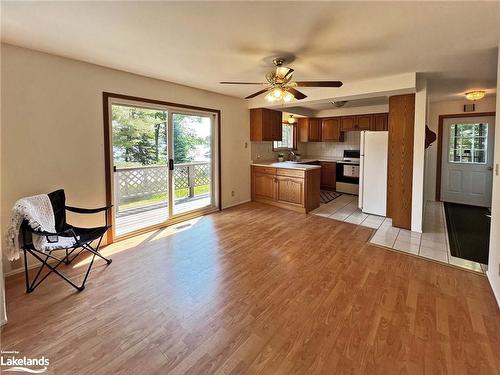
(84, 239)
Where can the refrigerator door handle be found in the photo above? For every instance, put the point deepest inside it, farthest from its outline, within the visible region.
(361, 184)
(361, 169)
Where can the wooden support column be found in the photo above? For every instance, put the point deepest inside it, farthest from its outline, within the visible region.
(400, 163)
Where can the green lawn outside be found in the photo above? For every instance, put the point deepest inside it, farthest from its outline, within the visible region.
(162, 197)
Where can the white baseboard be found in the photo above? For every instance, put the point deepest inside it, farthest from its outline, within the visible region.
(236, 204)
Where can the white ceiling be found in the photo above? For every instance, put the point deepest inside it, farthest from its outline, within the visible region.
(200, 44)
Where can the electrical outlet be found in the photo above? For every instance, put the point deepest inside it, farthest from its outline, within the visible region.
(246, 144)
(232, 193)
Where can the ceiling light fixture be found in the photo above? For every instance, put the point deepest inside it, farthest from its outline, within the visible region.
(339, 103)
(287, 97)
(278, 93)
(475, 95)
(291, 120)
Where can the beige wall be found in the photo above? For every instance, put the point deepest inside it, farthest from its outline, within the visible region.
(494, 256)
(52, 127)
(436, 109)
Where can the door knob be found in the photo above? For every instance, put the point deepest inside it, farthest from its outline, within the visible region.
(490, 168)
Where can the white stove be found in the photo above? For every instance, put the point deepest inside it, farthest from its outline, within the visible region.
(348, 172)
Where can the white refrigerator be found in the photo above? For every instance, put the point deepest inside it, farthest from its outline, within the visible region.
(373, 172)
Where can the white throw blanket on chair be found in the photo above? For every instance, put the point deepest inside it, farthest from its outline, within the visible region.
(37, 210)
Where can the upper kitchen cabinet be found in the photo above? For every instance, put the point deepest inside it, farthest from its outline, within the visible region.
(330, 130)
(265, 125)
(309, 129)
(379, 122)
(364, 122)
(348, 123)
(374, 122)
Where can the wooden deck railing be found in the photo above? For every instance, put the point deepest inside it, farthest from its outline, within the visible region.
(134, 184)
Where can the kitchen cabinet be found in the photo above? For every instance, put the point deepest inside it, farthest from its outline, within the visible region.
(364, 122)
(265, 125)
(380, 122)
(293, 189)
(330, 130)
(264, 186)
(328, 175)
(290, 190)
(309, 129)
(348, 123)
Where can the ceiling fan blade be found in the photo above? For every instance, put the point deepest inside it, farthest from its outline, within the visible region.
(242, 83)
(318, 83)
(256, 94)
(296, 93)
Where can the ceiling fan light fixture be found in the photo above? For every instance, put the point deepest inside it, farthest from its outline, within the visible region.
(270, 98)
(475, 95)
(277, 93)
(288, 97)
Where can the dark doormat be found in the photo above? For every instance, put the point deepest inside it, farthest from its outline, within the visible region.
(469, 231)
(326, 196)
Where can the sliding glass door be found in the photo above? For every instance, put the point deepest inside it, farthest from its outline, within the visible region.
(192, 145)
(163, 165)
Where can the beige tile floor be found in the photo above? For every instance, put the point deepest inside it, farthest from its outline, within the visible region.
(432, 243)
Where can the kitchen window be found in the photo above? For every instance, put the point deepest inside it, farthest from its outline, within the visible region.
(288, 138)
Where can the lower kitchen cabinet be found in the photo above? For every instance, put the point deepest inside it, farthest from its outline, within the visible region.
(328, 175)
(264, 186)
(290, 190)
(294, 189)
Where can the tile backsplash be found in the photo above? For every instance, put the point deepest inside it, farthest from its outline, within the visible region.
(334, 149)
(264, 150)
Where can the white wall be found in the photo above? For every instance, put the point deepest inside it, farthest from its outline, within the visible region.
(417, 204)
(436, 109)
(52, 126)
(493, 272)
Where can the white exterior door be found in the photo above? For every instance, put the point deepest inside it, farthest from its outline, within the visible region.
(467, 160)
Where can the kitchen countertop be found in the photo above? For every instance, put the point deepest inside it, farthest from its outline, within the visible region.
(287, 165)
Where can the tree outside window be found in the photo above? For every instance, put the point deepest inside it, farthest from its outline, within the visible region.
(288, 138)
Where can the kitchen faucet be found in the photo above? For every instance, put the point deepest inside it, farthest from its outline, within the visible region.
(292, 156)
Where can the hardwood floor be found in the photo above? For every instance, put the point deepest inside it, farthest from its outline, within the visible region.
(259, 290)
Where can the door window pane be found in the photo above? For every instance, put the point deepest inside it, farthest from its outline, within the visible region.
(192, 175)
(140, 160)
(468, 143)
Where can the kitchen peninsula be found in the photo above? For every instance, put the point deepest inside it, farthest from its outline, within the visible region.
(288, 185)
